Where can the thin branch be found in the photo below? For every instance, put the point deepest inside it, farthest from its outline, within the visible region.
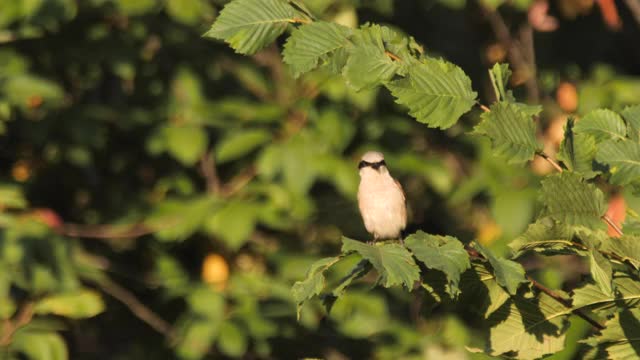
(612, 224)
(515, 52)
(392, 56)
(484, 108)
(10, 326)
(137, 308)
(239, 181)
(543, 155)
(105, 231)
(565, 302)
(210, 173)
(634, 7)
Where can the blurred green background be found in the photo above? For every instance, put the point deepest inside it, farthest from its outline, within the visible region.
(159, 194)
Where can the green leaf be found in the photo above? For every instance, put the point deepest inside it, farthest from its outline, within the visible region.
(528, 327)
(623, 159)
(444, 253)
(76, 305)
(577, 151)
(234, 222)
(511, 130)
(547, 237)
(314, 282)
(627, 248)
(249, 25)
(570, 200)
(601, 271)
(39, 345)
(238, 144)
(436, 92)
(592, 296)
(621, 337)
(509, 274)
(312, 43)
(481, 290)
(500, 74)
(631, 115)
(186, 143)
(393, 262)
(368, 65)
(232, 341)
(602, 124)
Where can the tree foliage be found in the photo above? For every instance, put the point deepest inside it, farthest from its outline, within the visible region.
(165, 190)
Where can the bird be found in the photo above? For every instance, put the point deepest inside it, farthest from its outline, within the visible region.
(381, 199)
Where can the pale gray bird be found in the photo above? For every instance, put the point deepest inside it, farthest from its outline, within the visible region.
(380, 198)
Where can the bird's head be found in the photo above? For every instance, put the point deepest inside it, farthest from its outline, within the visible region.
(372, 162)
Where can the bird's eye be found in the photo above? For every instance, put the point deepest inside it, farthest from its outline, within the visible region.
(362, 164)
(378, 164)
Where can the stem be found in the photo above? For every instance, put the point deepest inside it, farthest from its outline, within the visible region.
(565, 302)
(137, 308)
(209, 172)
(612, 224)
(484, 108)
(22, 318)
(392, 56)
(543, 155)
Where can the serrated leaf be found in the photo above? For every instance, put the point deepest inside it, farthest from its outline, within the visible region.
(591, 296)
(393, 262)
(368, 65)
(601, 271)
(570, 200)
(528, 327)
(436, 92)
(511, 130)
(621, 337)
(500, 74)
(239, 144)
(603, 124)
(312, 43)
(623, 159)
(249, 25)
(631, 115)
(444, 253)
(481, 290)
(314, 282)
(577, 151)
(626, 248)
(547, 237)
(509, 274)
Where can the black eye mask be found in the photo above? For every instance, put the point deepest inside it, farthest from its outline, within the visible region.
(375, 165)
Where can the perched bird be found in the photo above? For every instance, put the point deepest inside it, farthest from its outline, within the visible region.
(380, 198)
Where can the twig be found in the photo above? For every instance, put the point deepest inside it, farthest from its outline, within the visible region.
(136, 307)
(543, 155)
(104, 231)
(612, 224)
(484, 108)
(210, 173)
(565, 302)
(392, 56)
(634, 7)
(526, 39)
(516, 56)
(10, 326)
(239, 181)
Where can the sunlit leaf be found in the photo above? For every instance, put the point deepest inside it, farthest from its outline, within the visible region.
(602, 124)
(249, 25)
(577, 151)
(509, 274)
(623, 159)
(444, 253)
(436, 92)
(314, 43)
(392, 261)
(511, 130)
(569, 199)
